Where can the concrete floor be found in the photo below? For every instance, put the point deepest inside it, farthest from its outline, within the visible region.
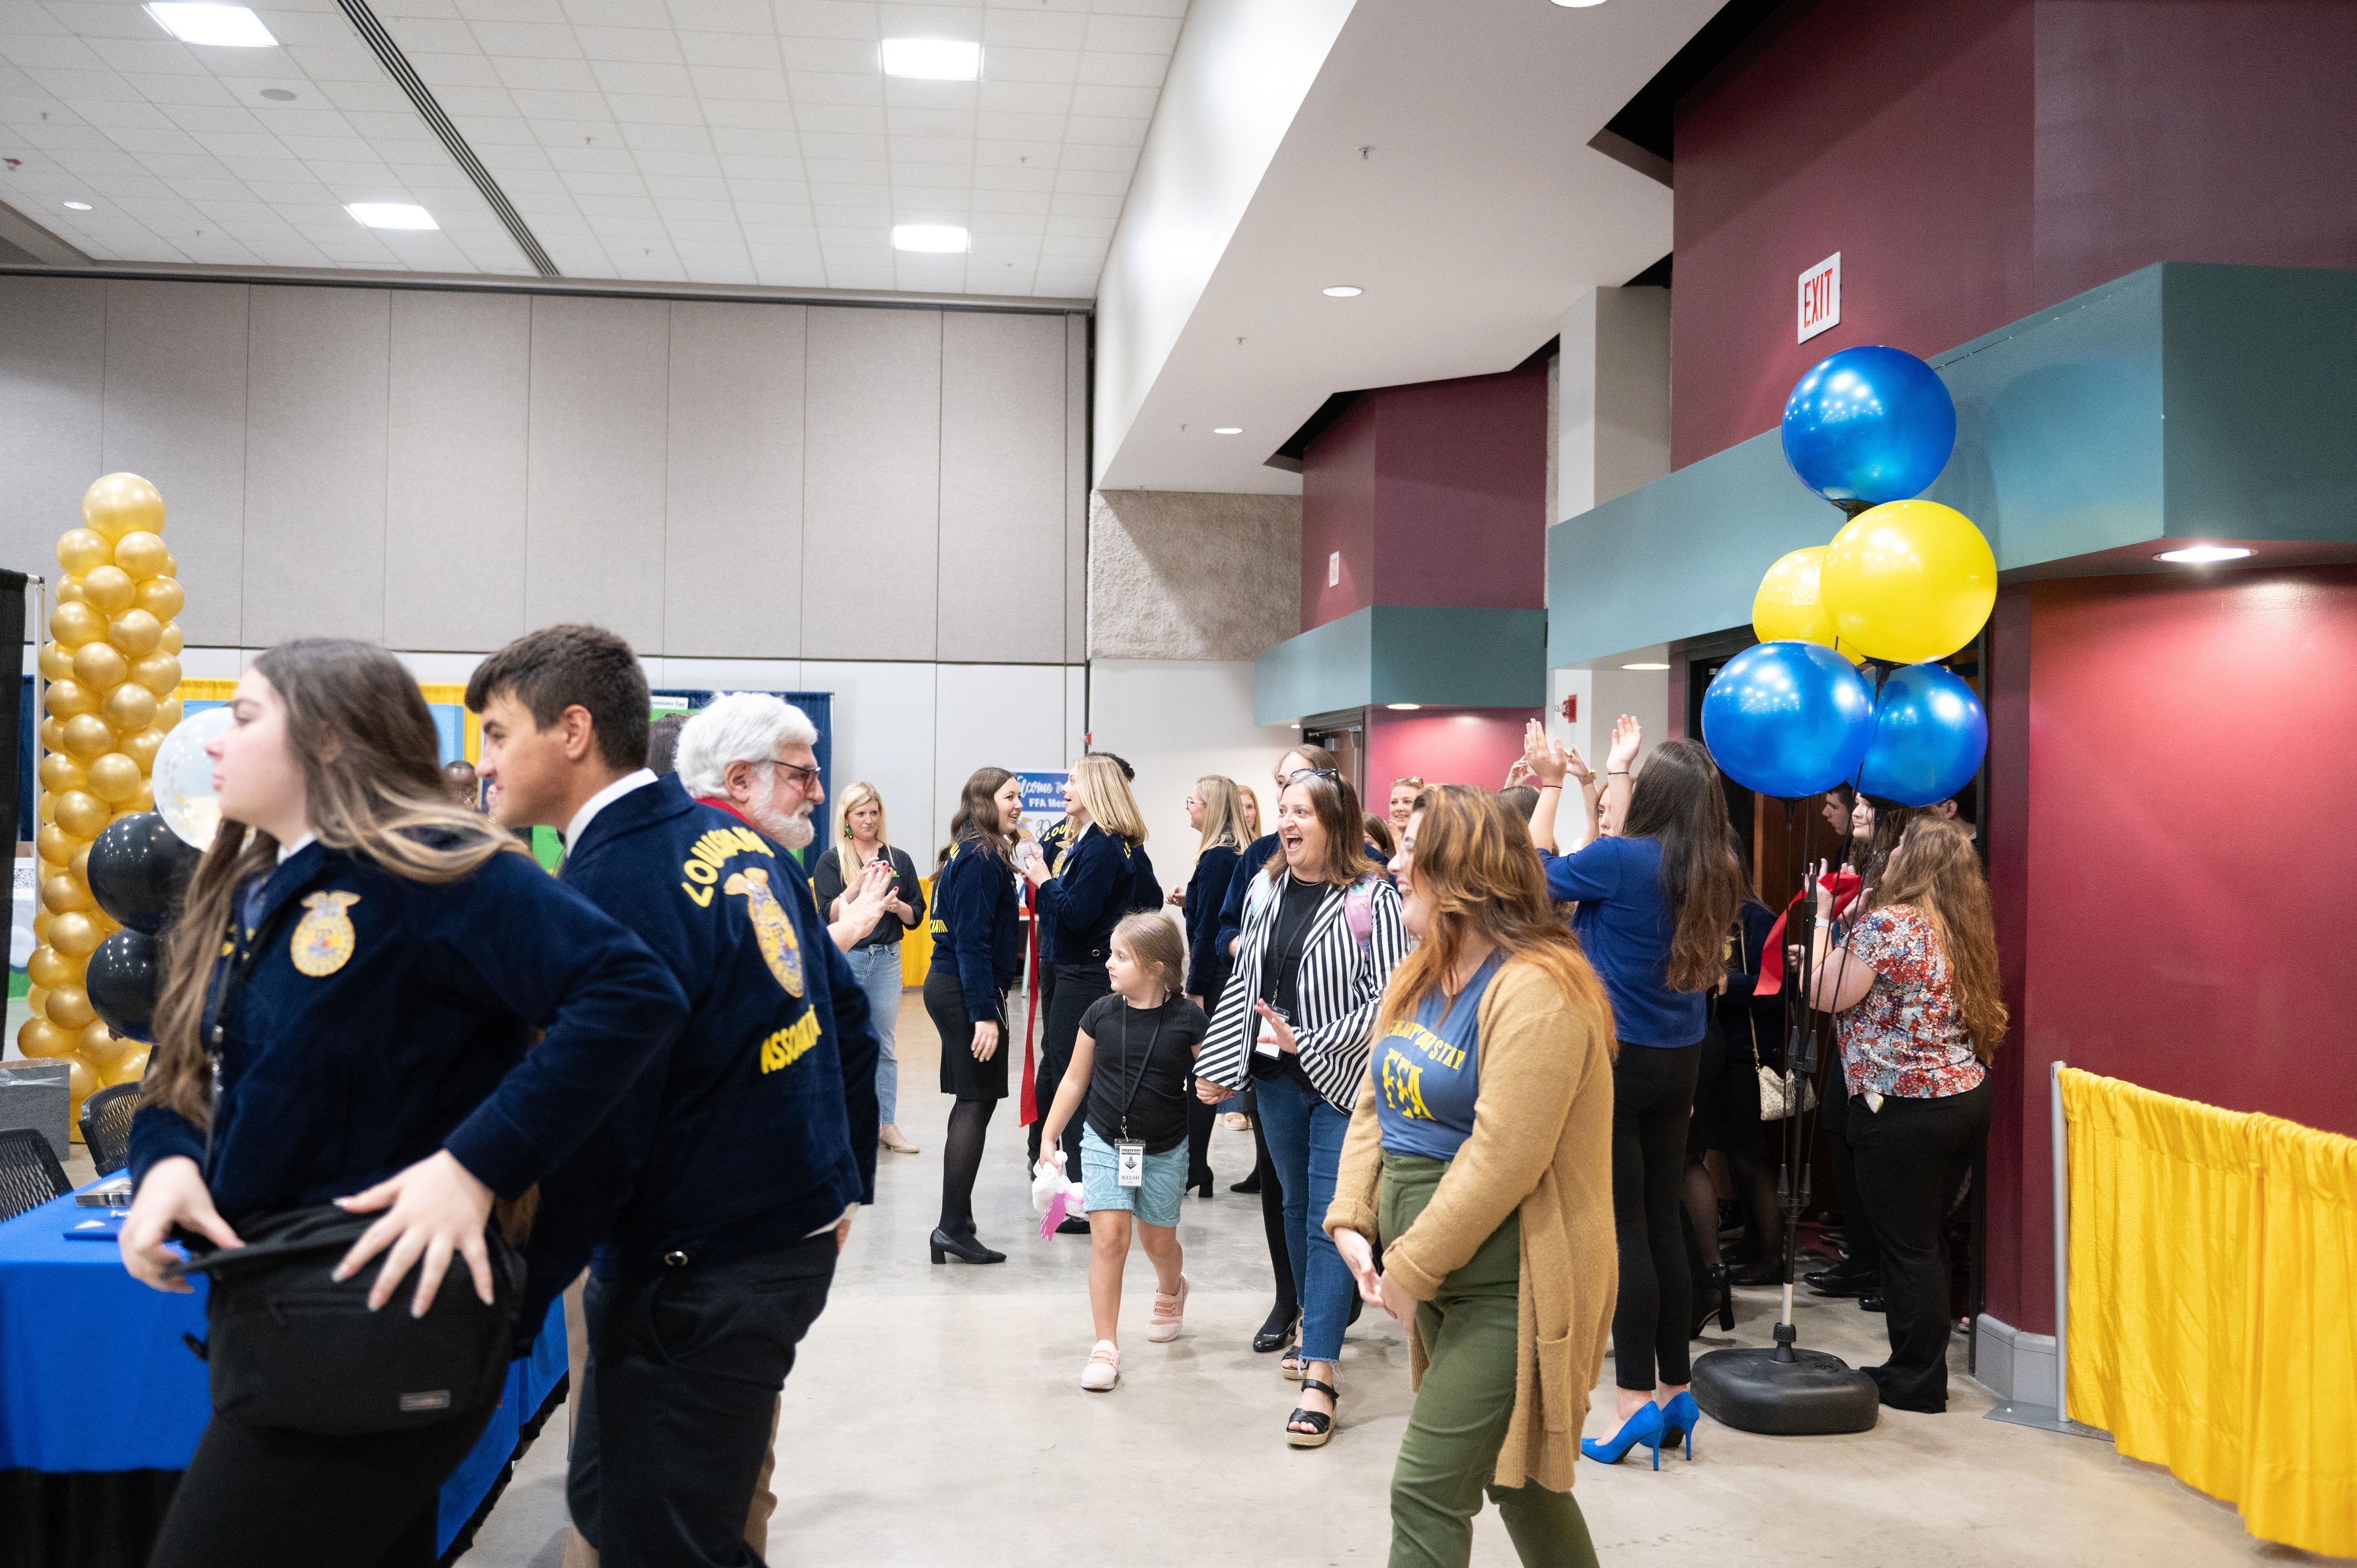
(936, 1418)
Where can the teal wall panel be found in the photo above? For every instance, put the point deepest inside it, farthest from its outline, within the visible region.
(1436, 655)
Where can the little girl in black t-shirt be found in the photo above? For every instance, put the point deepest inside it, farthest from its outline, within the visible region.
(1131, 1061)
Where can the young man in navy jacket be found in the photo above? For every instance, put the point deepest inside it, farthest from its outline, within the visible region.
(728, 1181)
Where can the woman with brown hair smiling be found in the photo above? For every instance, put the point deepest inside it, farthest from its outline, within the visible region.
(1481, 1158)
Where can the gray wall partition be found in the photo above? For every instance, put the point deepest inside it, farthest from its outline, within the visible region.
(442, 469)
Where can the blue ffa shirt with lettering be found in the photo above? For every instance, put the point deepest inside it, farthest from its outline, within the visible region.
(1626, 924)
(757, 1126)
(1428, 1072)
(384, 1018)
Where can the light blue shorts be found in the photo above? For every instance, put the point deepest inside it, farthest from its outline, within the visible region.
(1155, 1203)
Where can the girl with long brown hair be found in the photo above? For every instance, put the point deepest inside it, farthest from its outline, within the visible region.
(1914, 988)
(349, 994)
(1655, 900)
(1479, 1158)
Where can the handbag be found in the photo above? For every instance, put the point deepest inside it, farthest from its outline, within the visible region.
(291, 1347)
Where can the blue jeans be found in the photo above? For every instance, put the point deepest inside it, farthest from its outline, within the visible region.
(1305, 1139)
(878, 970)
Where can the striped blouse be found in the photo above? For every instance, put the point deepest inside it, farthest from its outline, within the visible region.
(1355, 942)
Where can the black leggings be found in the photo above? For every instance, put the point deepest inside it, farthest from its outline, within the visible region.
(1862, 1254)
(1652, 1094)
(258, 1496)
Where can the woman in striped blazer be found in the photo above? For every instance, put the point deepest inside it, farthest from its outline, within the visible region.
(1322, 935)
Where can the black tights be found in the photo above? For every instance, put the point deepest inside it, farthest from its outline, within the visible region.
(961, 1162)
(1755, 1185)
(1652, 1094)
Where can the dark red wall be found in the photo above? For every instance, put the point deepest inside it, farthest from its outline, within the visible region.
(1897, 135)
(1434, 494)
(1442, 746)
(1976, 160)
(2172, 796)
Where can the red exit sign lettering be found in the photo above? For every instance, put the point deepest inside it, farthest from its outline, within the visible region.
(1821, 298)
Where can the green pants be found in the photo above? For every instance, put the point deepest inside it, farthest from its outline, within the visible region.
(1450, 1450)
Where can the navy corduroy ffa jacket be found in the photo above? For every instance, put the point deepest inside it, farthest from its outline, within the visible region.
(1093, 887)
(758, 1125)
(1207, 896)
(978, 929)
(384, 1018)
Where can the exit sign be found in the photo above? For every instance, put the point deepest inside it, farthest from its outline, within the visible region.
(1821, 298)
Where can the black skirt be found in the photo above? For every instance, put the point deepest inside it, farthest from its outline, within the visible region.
(962, 1074)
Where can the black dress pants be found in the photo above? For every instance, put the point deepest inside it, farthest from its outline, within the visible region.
(1911, 1155)
(1857, 1232)
(684, 1372)
(259, 1497)
(1077, 985)
(1652, 1094)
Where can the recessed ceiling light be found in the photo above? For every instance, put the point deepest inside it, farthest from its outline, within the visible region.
(78, 206)
(392, 215)
(1577, 5)
(278, 95)
(1227, 430)
(224, 26)
(1402, 707)
(1343, 291)
(944, 239)
(1644, 664)
(2202, 554)
(932, 60)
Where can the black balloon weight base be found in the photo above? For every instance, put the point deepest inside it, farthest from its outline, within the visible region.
(1812, 1395)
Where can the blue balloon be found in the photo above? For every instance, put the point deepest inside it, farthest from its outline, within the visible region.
(1869, 425)
(1788, 719)
(1929, 733)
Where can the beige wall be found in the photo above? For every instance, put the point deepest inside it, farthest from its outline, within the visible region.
(1182, 574)
(440, 470)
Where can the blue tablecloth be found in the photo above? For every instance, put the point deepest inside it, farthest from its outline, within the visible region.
(94, 1375)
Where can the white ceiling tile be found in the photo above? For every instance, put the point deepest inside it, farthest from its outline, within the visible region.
(317, 150)
(485, 132)
(493, 101)
(348, 59)
(933, 21)
(722, 15)
(1003, 176)
(834, 205)
(745, 113)
(86, 21)
(1034, 65)
(1114, 102)
(511, 11)
(1011, 201)
(728, 82)
(671, 189)
(931, 151)
(988, 150)
(1026, 97)
(1121, 160)
(78, 86)
(748, 171)
(731, 50)
(665, 109)
(156, 56)
(1063, 205)
(52, 51)
(1006, 28)
(641, 14)
(1133, 35)
(377, 95)
(668, 138)
(546, 75)
(190, 173)
(827, 18)
(541, 105)
(1003, 128)
(1104, 69)
(932, 124)
(843, 171)
(642, 77)
(780, 219)
(1174, 8)
(644, 44)
(680, 165)
(612, 160)
(213, 117)
(1085, 132)
(838, 87)
(605, 182)
(840, 119)
(846, 55)
(1098, 228)
(528, 40)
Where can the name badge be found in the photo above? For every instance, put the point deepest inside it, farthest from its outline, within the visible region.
(1264, 1040)
(1129, 1163)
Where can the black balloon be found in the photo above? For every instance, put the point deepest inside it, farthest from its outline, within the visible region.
(126, 974)
(138, 870)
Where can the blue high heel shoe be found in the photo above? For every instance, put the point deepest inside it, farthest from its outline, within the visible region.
(1679, 1418)
(1645, 1427)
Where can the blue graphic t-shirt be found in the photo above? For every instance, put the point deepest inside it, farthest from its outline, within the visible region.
(1428, 1072)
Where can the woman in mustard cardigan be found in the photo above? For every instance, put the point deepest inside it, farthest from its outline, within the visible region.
(1483, 1160)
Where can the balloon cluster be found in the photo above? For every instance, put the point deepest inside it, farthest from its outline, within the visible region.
(1905, 581)
(111, 663)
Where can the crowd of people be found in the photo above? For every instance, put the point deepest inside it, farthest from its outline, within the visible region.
(1487, 1054)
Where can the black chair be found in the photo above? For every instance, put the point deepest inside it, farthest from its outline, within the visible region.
(29, 1173)
(106, 1126)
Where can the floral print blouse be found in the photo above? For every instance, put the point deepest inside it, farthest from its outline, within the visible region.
(1907, 1039)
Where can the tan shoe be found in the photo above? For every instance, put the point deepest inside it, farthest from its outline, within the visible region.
(889, 1136)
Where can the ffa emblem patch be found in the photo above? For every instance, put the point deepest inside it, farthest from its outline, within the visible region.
(771, 928)
(322, 943)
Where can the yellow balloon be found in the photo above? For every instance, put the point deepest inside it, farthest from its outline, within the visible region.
(140, 748)
(158, 672)
(1909, 581)
(106, 1049)
(122, 503)
(64, 699)
(60, 773)
(70, 593)
(56, 662)
(41, 918)
(49, 969)
(135, 632)
(53, 734)
(56, 847)
(1787, 607)
(115, 779)
(109, 590)
(143, 802)
(80, 1084)
(129, 1067)
(167, 714)
(70, 1008)
(171, 643)
(37, 1001)
(82, 813)
(100, 666)
(74, 936)
(79, 548)
(62, 894)
(172, 565)
(128, 709)
(86, 736)
(161, 597)
(141, 553)
(78, 862)
(39, 1038)
(75, 624)
(46, 808)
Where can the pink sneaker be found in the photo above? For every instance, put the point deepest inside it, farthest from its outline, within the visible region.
(1103, 1369)
(1170, 1312)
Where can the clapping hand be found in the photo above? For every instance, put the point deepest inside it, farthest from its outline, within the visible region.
(1628, 737)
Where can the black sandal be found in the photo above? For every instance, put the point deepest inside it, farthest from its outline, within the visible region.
(1325, 1423)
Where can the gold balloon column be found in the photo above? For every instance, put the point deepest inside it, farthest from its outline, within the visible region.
(111, 663)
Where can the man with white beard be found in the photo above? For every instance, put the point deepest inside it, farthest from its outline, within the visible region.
(717, 1196)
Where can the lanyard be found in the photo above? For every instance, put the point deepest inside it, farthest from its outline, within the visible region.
(246, 951)
(1143, 1062)
(1285, 949)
